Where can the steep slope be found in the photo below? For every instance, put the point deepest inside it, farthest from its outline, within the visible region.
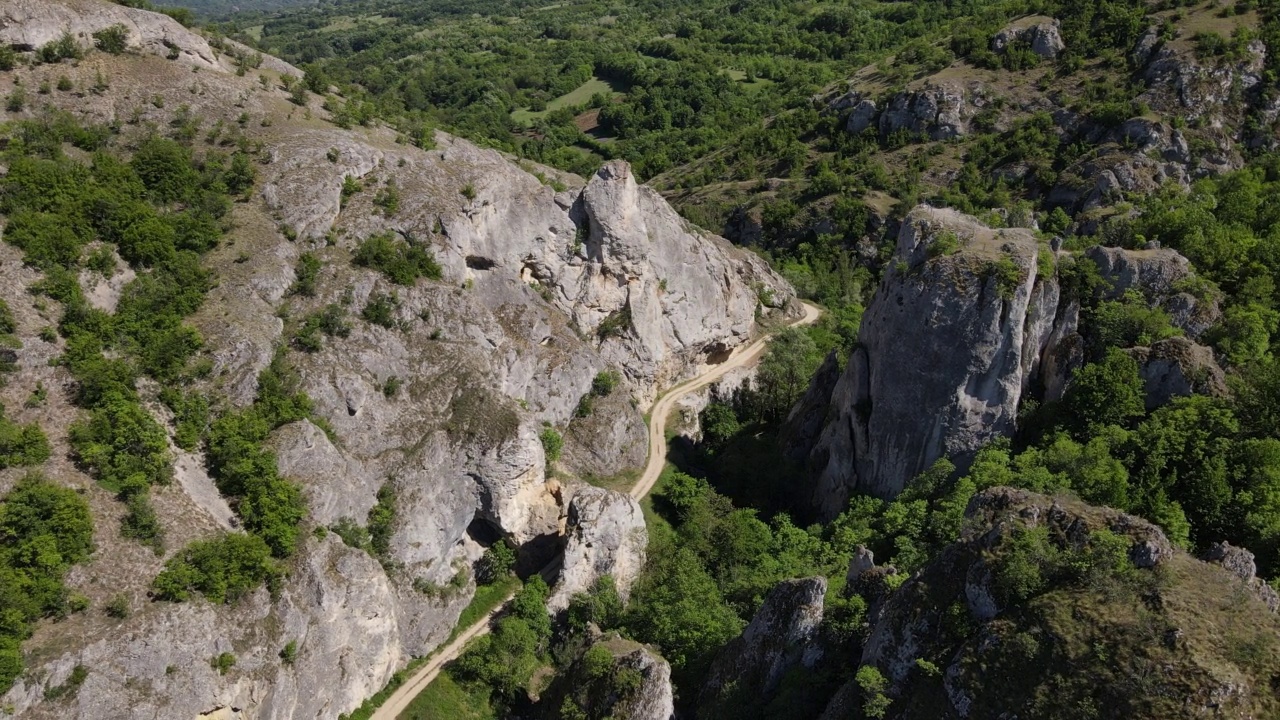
(439, 402)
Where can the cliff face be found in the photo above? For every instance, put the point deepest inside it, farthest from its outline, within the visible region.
(951, 341)
(545, 283)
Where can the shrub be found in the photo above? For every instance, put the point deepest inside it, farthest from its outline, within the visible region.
(117, 607)
(380, 309)
(403, 263)
(350, 186)
(616, 324)
(21, 445)
(946, 243)
(289, 653)
(222, 569)
(552, 444)
(8, 324)
(114, 39)
(330, 321)
(69, 686)
(605, 382)
(305, 275)
(223, 662)
(64, 48)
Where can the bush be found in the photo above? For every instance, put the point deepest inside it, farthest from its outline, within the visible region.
(380, 309)
(605, 382)
(330, 321)
(64, 48)
(222, 569)
(114, 39)
(496, 563)
(552, 444)
(8, 324)
(223, 662)
(68, 687)
(44, 530)
(21, 445)
(289, 653)
(402, 262)
(305, 275)
(117, 607)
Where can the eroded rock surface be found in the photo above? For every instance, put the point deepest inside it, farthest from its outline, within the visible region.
(947, 347)
(606, 536)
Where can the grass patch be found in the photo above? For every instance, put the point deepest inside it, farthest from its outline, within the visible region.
(487, 597)
(445, 698)
(578, 96)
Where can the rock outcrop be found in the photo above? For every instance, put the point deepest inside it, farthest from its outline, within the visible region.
(949, 344)
(654, 699)
(626, 680)
(1239, 562)
(1178, 367)
(988, 660)
(782, 635)
(1161, 276)
(606, 536)
(937, 111)
(1042, 35)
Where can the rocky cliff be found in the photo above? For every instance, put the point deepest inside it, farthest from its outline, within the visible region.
(547, 281)
(950, 343)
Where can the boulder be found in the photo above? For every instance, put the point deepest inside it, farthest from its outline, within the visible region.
(606, 535)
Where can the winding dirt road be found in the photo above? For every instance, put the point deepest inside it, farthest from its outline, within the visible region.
(741, 357)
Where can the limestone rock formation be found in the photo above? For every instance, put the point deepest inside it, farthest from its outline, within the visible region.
(1239, 562)
(606, 535)
(1178, 367)
(648, 693)
(1042, 35)
(782, 635)
(1160, 275)
(655, 699)
(979, 669)
(948, 346)
(937, 110)
(608, 441)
